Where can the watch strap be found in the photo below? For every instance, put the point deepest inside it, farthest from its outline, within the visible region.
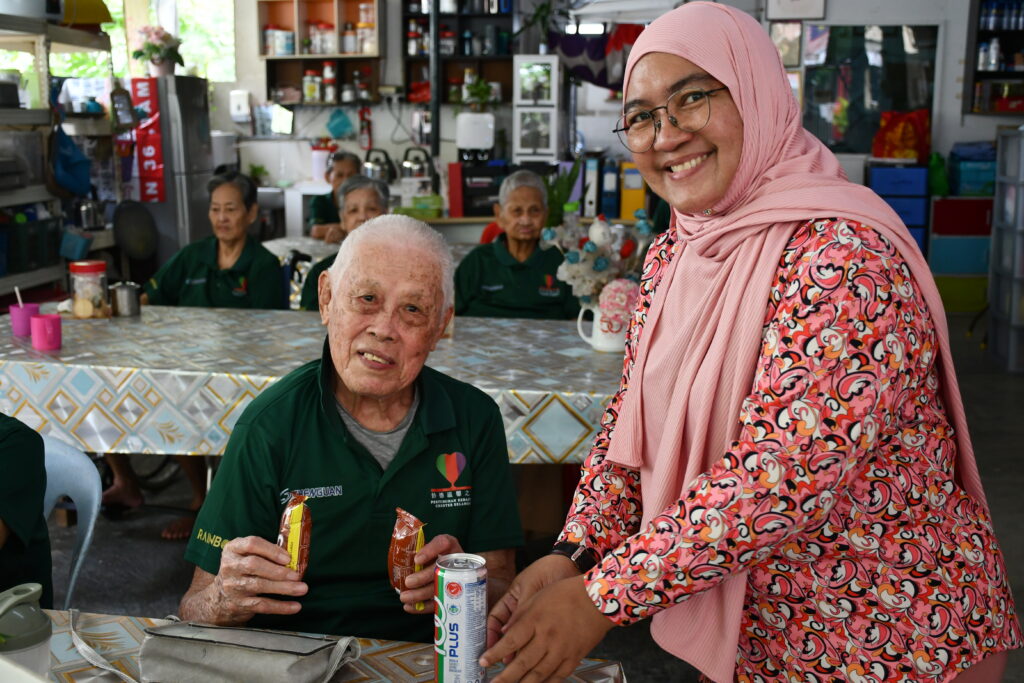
(583, 557)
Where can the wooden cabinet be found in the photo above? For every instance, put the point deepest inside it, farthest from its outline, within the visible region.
(299, 36)
(994, 76)
(479, 40)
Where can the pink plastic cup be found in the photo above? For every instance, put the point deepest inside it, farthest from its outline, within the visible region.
(21, 317)
(46, 332)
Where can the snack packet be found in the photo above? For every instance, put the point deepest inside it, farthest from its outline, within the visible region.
(295, 530)
(406, 541)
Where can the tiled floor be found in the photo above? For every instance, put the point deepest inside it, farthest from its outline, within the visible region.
(130, 570)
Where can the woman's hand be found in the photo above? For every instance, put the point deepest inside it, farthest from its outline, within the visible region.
(544, 572)
(335, 233)
(319, 231)
(418, 596)
(549, 634)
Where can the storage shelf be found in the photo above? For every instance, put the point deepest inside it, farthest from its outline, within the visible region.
(33, 278)
(24, 117)
(293, 58)
(20, 33)
(462, 58)
(25, 195)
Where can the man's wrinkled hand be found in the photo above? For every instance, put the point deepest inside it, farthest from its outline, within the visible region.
(549, 635)
(418, 596)
(251, 568)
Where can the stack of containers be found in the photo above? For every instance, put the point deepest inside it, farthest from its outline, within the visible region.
(905, 188)
(1006, 270)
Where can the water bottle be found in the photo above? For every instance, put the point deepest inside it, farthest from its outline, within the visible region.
(995, 55)
(982, 57)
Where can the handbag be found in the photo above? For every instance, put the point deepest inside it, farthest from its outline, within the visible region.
(187, 652)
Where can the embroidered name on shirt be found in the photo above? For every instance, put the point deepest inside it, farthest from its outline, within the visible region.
(314, 492)
(211, 539)
(451, 465)
(195, 281)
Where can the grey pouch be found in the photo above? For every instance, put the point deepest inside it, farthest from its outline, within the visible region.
(186, 652)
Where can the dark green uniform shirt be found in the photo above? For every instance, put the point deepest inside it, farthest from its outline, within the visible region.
(25, 556)
(193, 278)
(322, 209)
(490, 283)
(451, 471)
(310, 300)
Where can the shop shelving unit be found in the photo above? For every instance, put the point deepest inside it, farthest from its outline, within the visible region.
(39, 38)
(295, 15)
(993, 92)
(1006, 265)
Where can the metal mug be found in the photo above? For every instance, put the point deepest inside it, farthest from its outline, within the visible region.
(125, 299)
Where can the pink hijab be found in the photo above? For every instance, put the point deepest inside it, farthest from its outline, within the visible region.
(696, 360)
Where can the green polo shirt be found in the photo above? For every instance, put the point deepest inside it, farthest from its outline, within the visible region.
(490, 283)
(192, 278)
(291, 438)
(322, 209)
(310, 300)
(25, 556)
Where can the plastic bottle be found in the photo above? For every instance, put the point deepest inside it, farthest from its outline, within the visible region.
(995, 55)
(982, 57)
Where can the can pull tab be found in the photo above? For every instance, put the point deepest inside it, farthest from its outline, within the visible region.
(26, 593)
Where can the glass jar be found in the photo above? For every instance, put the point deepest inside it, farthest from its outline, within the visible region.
(349, 43)
(447, 44)
(328, 39)
(366, 37)
(348, 93)
(366, 13)
(311, 87)
(89, 298)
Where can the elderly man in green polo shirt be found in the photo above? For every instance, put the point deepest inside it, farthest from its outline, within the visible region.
(512, 277)
(365, 429)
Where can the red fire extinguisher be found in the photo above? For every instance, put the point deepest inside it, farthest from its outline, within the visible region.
(365, 128)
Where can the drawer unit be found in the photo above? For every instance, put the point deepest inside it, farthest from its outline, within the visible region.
(961, 216)
(958, 255)
(913, 211)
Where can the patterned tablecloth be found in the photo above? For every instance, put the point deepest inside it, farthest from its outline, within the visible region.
(118, 639)
(175, 380)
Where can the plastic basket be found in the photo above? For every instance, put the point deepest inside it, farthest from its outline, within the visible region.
(973, 178)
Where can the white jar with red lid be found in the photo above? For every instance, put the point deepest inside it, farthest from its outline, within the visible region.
(89, 297)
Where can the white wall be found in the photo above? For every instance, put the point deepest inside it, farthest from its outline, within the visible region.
(596, 116)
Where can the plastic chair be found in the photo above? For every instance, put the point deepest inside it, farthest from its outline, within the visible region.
(71, 473)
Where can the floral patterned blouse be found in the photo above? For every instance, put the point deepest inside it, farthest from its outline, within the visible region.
(901, 579)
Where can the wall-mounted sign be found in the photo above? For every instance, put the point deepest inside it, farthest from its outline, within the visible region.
(149, 144)
(795, 9)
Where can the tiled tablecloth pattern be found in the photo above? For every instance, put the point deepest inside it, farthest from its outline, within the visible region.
(175, 380)
(118, 639)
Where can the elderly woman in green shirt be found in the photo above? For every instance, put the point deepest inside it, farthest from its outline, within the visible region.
(229, 269)
(359, 199)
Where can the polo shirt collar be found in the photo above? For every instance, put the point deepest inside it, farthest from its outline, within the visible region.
(209, 254)
(506, 259)
(435, 413)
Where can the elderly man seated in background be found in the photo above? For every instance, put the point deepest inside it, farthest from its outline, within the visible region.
(365, 429)
(324, 221)
(512, 277)
(360, 199)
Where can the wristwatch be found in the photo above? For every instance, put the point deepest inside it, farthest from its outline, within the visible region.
(583, 557)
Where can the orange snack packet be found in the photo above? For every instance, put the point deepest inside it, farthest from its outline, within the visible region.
(294, 532)
(406, 541)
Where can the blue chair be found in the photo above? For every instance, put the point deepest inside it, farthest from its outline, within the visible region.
(71, 473)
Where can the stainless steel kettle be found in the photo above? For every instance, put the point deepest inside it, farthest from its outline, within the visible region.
(378, 166)
(125, 298)
(413, 167)
(90, 214)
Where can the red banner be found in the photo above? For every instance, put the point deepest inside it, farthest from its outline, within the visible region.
(149, 144)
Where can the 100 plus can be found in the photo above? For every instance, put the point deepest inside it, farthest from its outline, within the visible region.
(460, 618)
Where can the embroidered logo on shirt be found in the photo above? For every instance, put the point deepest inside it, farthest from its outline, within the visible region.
(492, 288)
(450, 465)
(549, 287)
(314, 492)
(242, 288)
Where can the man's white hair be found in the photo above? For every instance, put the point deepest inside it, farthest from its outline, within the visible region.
(397, 230)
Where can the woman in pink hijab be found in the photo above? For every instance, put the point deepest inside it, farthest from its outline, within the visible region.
(784, 482)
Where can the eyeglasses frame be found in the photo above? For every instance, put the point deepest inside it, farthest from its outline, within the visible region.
(672, 119)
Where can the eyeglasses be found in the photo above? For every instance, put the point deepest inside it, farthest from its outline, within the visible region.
(687, 110)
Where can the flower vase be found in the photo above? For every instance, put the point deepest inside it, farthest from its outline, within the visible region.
(164, 67)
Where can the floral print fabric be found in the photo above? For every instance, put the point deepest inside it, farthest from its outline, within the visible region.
(867, 561)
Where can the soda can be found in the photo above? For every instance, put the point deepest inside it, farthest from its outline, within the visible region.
(460, 618)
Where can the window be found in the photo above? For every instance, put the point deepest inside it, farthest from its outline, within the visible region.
(207, 32)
